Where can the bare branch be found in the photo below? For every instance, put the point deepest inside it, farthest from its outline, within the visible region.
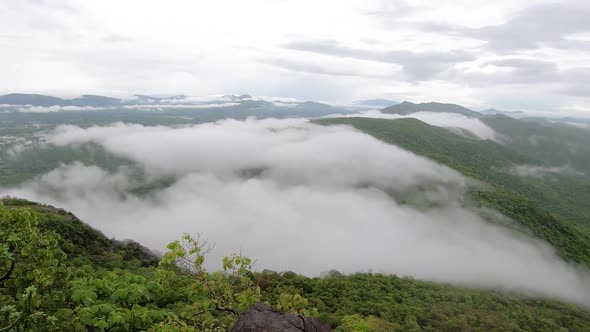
(8, 274)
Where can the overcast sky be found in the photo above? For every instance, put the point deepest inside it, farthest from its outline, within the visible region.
(516, 54)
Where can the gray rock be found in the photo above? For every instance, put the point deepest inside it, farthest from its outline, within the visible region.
(263, 318)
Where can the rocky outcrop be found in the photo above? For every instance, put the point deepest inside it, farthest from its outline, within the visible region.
(263, 318)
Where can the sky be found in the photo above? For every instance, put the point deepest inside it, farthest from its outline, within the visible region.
(510, 55)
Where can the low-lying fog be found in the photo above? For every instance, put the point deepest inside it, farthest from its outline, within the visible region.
(301, 197)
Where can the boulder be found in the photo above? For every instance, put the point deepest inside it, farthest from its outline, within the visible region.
(262, 318)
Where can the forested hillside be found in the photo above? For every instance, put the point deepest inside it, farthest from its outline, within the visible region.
(540, 204)
(58, 274)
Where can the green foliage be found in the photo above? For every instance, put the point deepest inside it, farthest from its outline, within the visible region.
(357, 323)
(376, 302)
(553, 145)
(42, 287)
(48, 291)
(82, 244)
(32, 270)
(569, 242)
(221, 295)
(116, 302)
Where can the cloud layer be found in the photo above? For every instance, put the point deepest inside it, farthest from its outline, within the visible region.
(302, 197)
(542, 171)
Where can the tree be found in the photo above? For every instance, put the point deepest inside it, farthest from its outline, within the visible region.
(220, 296)
(32, 272)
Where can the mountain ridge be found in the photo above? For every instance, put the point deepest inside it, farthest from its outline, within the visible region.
(407, 107)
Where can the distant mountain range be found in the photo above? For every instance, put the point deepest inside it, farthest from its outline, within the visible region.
(151, 109)
(24, 99)
(244, 100)
(47, 101)
(101, 101)
(244, 105)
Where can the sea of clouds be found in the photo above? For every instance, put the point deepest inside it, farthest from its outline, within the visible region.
(302, 197)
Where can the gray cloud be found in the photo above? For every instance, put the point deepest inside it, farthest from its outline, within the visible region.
(514, 71)
(528, 71)
(524, 65)
(416, 65)
(577, 82)
(306, 198)
(537, 26)
(307, 67)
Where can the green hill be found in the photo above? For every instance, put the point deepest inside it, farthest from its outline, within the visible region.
(558, 147)
(55, 275)
(554, 144)
(536, 206)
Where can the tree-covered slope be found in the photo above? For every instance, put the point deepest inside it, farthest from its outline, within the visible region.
(561, 148)
(552, 143)
(83, 244)
(411, 305)
(534, 207)
(563, 152)
(44, 288)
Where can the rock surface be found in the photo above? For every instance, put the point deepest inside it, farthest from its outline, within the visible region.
(263, 318)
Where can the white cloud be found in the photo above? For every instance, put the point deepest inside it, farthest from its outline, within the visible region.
(543, 171)
(55, 108)
(283, 104)
(302, 197)
(579, 124)
(254, 144)
(171, 106)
